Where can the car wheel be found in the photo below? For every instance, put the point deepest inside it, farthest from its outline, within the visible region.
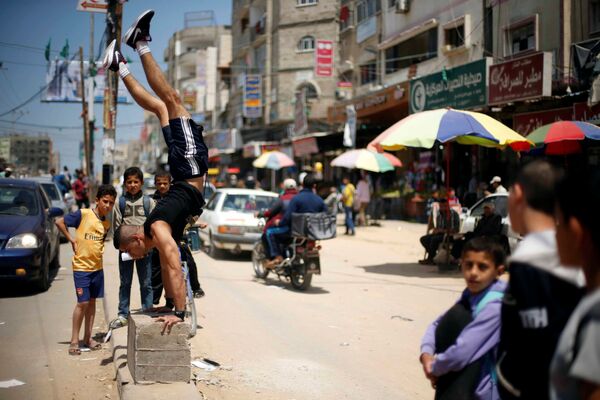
(213, 251)
(55, 264)
(43, 282)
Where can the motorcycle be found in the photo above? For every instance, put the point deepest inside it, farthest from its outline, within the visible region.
(301, 261)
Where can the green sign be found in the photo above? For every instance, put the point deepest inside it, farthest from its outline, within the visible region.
(462, 87)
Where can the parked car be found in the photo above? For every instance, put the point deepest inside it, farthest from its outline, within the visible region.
(470, 217)
(231, 220)
(29, 239)
(56, 199)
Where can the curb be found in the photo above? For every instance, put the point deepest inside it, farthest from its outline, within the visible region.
(128, 390)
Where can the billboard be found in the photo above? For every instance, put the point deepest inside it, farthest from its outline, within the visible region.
(324, 58)
(63, 83)
(253, 96)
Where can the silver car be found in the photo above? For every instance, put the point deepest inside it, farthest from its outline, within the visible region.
(231, 218)
(56, 199)
(471, 216)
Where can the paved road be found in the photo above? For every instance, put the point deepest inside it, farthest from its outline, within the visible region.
(354, 335)
(35, 330)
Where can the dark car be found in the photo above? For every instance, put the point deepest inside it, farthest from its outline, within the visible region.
(29, 239)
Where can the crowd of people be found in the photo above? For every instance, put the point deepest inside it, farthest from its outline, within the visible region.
(537, 334)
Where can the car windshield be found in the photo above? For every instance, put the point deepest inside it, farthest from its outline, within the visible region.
(500, 203)
(247, 202)
(51, 191)
(17, 201)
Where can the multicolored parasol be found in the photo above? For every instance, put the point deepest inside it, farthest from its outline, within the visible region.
(273, 160)
(563, 137)
(363, 159)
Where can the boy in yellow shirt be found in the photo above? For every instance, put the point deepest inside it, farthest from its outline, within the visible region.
(91, 228)
(348, 200)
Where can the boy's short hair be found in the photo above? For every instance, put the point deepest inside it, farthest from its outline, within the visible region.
(538, 182)
(309, 181)
(133, 171)
(486, 245)
(104, 190)
(578, 196)
(162, 174)
(124, 235)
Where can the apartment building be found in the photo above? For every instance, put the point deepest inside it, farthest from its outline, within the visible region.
(32, 155)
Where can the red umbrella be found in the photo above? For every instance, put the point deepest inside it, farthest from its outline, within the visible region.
(563, 137)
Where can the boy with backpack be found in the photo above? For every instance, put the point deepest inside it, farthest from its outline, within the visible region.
(458, 350)
(132, 208)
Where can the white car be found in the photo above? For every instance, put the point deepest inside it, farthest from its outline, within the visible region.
(471, 216)
(230, 216)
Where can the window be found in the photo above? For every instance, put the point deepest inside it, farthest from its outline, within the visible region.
(310, 92)
(214, 200)
(521, 37)
(412, 51)
(307, 43)
(368, 73)
(366, 9)
(391, 3)
(594, 14)
(306, 2)
(454, 37)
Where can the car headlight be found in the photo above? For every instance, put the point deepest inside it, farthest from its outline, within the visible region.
(23, 241)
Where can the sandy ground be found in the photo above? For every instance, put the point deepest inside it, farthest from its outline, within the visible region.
(35, 331)
(354, 335)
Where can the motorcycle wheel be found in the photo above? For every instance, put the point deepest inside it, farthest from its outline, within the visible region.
(300, 280)
(258, 256)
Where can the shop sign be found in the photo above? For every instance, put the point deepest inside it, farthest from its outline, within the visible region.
(526, 123)
(305, 147)
(250, 150)
(582, 112)
(521, 79)
(324, 58)
(253, 96)
(366, 29)
(462, 87)
(391, 97)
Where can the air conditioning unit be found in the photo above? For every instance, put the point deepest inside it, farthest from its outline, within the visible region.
(402, 6)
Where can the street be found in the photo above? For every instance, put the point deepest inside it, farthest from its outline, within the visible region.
(354, 335)
(35, 329)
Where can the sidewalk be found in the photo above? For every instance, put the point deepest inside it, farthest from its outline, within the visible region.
(128, 390)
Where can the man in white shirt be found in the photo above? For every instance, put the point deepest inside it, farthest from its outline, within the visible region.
(497, 187)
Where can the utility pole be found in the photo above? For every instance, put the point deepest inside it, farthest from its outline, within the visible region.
(113, 31)
(91, 117)
(84, 105)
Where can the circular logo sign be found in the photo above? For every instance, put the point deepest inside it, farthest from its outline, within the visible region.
(418, 96)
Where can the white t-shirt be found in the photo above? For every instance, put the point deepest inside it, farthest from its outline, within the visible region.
(500, 189)
(577, 356)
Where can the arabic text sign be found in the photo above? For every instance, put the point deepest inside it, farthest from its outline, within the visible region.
(525, 78)
(528, 122)
(92, 5)
(324, 58)
(253, 96)
(462, 87)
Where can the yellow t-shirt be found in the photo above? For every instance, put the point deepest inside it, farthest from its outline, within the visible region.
(348, 195)
(91, 232)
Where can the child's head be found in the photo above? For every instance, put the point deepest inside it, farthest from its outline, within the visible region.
(534, 189)
(162, 181)
(578, 222)
(105, 199)
(482, 262)
(133, 178)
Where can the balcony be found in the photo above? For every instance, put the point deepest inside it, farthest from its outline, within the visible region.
(258, 30)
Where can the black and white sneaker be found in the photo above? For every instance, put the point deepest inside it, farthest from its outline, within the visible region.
(140, 30)
(112, 57)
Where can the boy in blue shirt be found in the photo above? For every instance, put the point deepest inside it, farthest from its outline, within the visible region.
(458, 350)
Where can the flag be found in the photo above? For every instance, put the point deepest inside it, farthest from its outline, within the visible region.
(47, 52)
(65, 51)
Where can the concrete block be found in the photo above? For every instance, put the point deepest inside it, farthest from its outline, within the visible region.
(153, 357)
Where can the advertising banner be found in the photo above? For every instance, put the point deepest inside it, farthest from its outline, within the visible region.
(350, 127)
(528, 122)
(324, 58)
(521, 79)
(305, 147)
(253, 96)
(462, 87)
(63, 80)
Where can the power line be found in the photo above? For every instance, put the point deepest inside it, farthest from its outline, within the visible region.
(60, 127)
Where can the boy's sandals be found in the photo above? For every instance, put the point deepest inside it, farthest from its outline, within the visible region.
(74, 349)
(93, 345)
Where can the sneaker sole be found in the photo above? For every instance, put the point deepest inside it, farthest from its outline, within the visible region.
(130, 32)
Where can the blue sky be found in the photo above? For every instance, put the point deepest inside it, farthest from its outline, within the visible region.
(26, 26)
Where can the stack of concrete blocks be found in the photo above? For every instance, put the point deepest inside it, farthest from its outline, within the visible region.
(154, 357)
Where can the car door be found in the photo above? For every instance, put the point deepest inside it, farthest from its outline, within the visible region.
(208, 216)
(50, 228)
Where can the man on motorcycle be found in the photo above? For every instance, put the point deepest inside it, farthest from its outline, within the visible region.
(273, 215)
(306, 201)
